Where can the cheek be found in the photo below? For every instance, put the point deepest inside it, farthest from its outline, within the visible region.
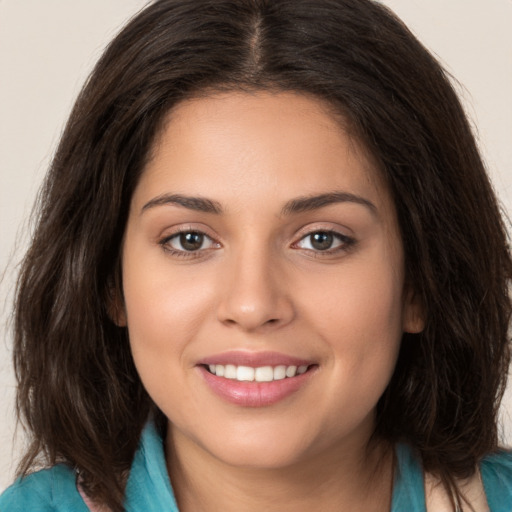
(160, 304)
(364, 305)
(161, 327)
(163, 310)
(163, 316)
(359, 318)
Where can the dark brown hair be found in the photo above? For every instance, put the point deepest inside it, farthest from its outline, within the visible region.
(79, 394)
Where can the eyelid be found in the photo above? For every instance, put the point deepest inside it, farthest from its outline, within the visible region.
(338, 241)
(177, 229)
(171, 233)
(314, 226)
(348, 241)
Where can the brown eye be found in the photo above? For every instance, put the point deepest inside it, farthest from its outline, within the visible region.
(321, 241)
(191, 241)
(325, 241)
(188, 241)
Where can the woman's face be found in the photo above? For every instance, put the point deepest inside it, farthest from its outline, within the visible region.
(263, 279)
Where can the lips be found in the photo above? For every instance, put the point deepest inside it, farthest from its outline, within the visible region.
(255, 379)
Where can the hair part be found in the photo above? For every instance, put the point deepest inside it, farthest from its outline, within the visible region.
(79, 394)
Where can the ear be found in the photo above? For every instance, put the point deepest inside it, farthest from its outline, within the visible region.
(413, 312)
(115, 304)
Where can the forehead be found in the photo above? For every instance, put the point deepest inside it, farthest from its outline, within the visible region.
(254, 144)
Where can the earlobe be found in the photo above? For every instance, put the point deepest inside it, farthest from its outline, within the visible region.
(117, 314)
(414, 312)
(115, 305)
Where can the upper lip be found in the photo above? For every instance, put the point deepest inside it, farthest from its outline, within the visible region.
(254, 359)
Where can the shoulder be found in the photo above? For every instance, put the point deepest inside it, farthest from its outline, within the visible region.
(489, 489)
(47, 490)
(496, 471)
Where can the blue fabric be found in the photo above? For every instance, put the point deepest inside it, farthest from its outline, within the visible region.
(149, 489)
(45, 491)
(496, 473)
(408, 491)
(54, 490)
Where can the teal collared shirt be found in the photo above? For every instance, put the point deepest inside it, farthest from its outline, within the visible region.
(149, 488)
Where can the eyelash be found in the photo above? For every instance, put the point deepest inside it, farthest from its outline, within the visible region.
(345, 243)
(183, 253)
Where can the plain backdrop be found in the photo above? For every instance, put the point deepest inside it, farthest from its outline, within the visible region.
(48, 47)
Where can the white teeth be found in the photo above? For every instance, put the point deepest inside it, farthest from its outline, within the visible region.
(279, 372)
(230, 371)
(245, 373)
(259, 374)
(291, 371)
(264, 374)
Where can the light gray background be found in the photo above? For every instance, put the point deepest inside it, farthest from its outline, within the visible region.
(47, 48)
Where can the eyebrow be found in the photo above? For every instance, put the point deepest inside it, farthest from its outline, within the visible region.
(308, 203)
(296, 205)
(199, 204)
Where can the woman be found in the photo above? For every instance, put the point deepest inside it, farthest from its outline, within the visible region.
(269, 271)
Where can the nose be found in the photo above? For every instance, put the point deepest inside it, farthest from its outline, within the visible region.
(255, 294)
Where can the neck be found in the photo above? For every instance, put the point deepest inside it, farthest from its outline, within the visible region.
(345, 479)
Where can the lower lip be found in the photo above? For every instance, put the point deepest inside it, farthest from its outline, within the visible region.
(254, 394)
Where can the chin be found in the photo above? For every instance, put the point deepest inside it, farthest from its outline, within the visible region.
(269, 455)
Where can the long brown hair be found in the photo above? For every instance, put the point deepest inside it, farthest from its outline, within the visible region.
(79, 394)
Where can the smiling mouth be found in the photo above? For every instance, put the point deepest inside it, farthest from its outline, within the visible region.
(256, 381)
(257, 374)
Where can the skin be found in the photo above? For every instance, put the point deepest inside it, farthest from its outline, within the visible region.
(258, 284)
